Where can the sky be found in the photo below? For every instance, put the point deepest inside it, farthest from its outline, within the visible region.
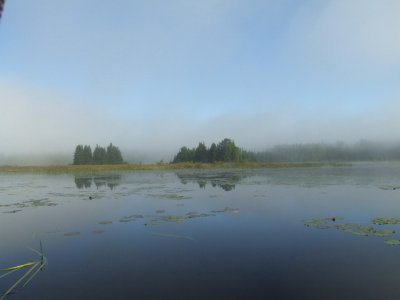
(151, 76)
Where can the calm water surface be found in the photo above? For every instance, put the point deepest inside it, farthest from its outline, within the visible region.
(219, 234)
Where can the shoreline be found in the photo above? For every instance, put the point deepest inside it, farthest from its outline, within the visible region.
(66, 169)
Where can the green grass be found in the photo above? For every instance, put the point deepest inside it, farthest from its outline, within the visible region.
(89, 169)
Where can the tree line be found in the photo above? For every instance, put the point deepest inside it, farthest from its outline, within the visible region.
(83, 155)
(224, 151)
(361, 151)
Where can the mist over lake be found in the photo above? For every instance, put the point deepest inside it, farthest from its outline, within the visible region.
(205, 149)
(204, 234)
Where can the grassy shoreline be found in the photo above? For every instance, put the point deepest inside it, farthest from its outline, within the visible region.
(61, 169)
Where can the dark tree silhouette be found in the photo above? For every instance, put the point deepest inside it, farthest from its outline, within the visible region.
(225, 151)
(83, 155)
(1, 7)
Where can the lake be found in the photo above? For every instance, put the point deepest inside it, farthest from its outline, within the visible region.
(204, 234)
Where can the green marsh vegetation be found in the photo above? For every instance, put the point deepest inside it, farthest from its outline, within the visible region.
(32, 269)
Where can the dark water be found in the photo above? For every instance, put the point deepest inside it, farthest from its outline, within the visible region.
(202, 234)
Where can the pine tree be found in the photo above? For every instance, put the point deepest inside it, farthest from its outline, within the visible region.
(78, 155)
(87, 155)
(201, 153)
(212, 153)
(99, 155)
(113, 155)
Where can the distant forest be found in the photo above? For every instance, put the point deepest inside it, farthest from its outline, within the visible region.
(111, 155)
(227, 151)
(224, 151)
(361, 151)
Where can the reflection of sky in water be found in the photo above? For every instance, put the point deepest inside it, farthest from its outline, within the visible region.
(205, 242)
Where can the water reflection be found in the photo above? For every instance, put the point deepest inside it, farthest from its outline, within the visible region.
(99, 180)
(224, 180)
(83, 182)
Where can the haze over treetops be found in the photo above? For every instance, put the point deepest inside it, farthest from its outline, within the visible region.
(154, 75)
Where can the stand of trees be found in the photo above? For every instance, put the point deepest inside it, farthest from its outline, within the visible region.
(225, 151)
(361, 151)
(111, 155)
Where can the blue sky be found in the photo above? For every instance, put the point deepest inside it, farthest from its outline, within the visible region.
(160, 74)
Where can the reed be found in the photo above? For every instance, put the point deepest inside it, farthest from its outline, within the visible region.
(32, 269)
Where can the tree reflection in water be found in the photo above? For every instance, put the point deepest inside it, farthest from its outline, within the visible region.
(99, 180)
(224, 180)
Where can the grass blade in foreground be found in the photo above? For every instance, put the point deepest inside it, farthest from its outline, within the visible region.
(34, 268)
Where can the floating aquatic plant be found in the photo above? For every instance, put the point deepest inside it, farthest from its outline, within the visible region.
(317, 223)
(389, 188)
(107, 222)
(393, 242)
(170, 218)
(175, 236)
(364, 230)
(192, 214)
(32, 268)
(226, 210)
(385, 221)
(12, 211)
(153, 222)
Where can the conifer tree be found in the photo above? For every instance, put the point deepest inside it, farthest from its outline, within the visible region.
(78, 155)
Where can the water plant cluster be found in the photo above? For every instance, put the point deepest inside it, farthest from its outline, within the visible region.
(159, 217)
(28, 203)
(358, 229)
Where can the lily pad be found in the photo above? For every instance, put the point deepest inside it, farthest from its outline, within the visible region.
(384, 221)
(191, 215)
(74, 233)
(317, 223)
(126, 220)
(12, 211)
(393, 242)
(364, 230)
(135, 216)
(175, 236)
(227, 210)
(170, 218)
(105, 222)
(389, 188)
(151, 223)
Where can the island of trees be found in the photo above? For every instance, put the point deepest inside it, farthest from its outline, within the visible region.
(111, 155)
(224, 151)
